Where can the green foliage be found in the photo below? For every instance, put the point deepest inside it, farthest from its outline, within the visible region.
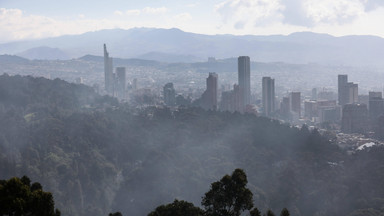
(284, 212)
(177, 208)
(255, 212)
(229, 196)
(18, 198)
(270, 213)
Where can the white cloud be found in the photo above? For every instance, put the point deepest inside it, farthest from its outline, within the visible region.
(133, 12)
(183, 17)
(333, 11)
(249, 13)
(118, 13)
(151, 10)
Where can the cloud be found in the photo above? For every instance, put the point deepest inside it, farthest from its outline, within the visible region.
(133, 12)
(15, 25)
(242, 13)
(307, 13)
(118, 13)
(373, 4)
(333, 11)
(183, 17)
(146, 10)
(150, 10)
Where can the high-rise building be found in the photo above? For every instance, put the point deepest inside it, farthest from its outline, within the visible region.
(169, 94)
(342, 89)
(354, 118)
(314, 94)
(109, 78)
(347, 91)
(244, 77)
(268, 97)
(209, 97)
(352, 93)
(376, 105)
(310, 109)
(120, 84)
(285, 108)
(230, 100)
(296, 103)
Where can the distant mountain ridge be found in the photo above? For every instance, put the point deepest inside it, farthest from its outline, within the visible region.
(174, 45)
(44, 53)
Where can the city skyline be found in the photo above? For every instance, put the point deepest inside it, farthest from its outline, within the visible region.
(26, 20)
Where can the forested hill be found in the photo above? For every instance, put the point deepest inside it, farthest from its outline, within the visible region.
(97, 160)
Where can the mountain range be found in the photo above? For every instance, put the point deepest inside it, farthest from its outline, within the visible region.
(174, 45)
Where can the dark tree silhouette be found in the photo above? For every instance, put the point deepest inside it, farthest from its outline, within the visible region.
(284, 212)
(270, 213)
(177, 208)
(229, 196)
(17, 198)
(255, 212)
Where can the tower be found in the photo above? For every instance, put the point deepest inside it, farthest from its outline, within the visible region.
(244, 76)
(108, 72)
(268, 97)
(209, 98)
(120, 84)
(296, 103)
(342, 89)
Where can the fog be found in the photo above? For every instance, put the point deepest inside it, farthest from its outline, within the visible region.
(98, 154)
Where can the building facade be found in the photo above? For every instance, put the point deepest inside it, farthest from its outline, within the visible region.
(244, 78)
(268, 95)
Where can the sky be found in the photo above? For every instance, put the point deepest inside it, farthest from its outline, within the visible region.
(34, 19)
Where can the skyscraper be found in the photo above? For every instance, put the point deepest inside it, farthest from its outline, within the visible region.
(209, 98)
(268, 91)
(342, 89)
(352, 90)
(296, 102)
(108, 72)
(244, 76)
(376, 105)
(354, 118)
(120, 84)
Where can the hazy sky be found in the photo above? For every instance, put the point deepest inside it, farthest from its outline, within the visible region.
(30, 19)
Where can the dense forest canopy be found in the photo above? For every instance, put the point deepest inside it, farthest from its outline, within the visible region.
(98, 156)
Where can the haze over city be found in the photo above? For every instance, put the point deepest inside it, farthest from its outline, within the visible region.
(192, 108)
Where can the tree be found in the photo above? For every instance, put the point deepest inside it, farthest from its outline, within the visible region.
(284, 212)
(18, 198)
(115, 214)
(229, 196)
(270, 213)
(255, 212)
(177, 208)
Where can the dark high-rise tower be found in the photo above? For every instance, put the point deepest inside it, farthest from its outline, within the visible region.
(244, 74)
(376, 105)
(108, 72)
(209, 98)
(268, 95)
(295, 99)
(342, 89)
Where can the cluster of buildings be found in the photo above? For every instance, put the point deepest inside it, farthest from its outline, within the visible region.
(115, 82)
(349, 112)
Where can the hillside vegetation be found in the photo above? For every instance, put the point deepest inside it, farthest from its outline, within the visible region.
(98, 156)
